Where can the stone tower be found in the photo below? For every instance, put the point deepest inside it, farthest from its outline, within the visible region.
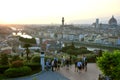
(62, 21)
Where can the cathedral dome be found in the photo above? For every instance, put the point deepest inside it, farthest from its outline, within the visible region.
(112, 21)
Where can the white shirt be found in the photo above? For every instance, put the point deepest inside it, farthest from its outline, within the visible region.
(52, 62)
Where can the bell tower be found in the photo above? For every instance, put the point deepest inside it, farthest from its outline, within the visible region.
(62, 21)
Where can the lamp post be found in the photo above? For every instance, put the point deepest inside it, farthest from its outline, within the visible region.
(42, 62)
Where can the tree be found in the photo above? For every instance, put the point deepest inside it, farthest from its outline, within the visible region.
(4, 59)
(72, 46)
(55, 35)
(109, 64)
(64, 49)
(70, 52)
(26, 46)
(27, 40)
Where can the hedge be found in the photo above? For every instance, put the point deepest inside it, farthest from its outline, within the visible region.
(3, 68)
(35, 59)
(17, 63)
(34, 66)
(17, 72)
(91, 58)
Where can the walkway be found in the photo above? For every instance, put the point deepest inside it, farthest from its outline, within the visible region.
(47, 75)
(91, 74)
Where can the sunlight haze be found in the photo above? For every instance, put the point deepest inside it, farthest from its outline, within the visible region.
(51, 11)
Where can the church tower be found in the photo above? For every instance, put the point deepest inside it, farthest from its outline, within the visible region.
(97, 23)
(62, 21)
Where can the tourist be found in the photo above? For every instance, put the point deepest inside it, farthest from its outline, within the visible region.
(67, 64)
(79, 65)
(48, 66)
(62, 62)
(75, 65)
(84, 63)
(58, 66)
(52, 65)
(55, 63)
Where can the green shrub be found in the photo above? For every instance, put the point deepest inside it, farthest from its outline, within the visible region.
(26, 40)
(15, 57)
(34, 66)
(17, 63)
(74, 59)
(35, 59)
(37, 50)
(109, 64)
(16, 72)
(4, 59)
(3, 68)
(91, 58)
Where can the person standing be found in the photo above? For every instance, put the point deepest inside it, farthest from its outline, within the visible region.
(75, 65)
(58, 66)
(84, 63)
(52, 65)
(55, 64)
(47, 65)
(67, 64)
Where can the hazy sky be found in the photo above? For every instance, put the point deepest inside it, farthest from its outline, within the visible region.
(51, 11)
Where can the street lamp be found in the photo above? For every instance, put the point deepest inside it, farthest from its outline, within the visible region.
(42, 62)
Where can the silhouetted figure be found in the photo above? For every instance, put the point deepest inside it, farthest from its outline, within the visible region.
(75, 65)
(55, 64)
(52, 65)
(58, 66)
(70, 61)
(48, 66)
(67, 64)
(84, 63)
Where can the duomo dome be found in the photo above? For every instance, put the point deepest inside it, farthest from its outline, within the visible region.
(112, 21)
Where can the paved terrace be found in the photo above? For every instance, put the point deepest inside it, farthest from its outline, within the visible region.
(91, 74)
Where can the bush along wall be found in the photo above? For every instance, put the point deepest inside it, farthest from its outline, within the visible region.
(91, 58)
(3, 68)
(17, 72)
(35, 59)
(34, 66)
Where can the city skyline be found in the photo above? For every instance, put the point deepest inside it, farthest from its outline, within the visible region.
(51, 11)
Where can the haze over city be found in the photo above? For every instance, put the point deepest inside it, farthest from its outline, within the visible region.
(51, 11)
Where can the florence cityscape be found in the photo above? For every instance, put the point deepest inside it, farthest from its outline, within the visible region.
(60, 40)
